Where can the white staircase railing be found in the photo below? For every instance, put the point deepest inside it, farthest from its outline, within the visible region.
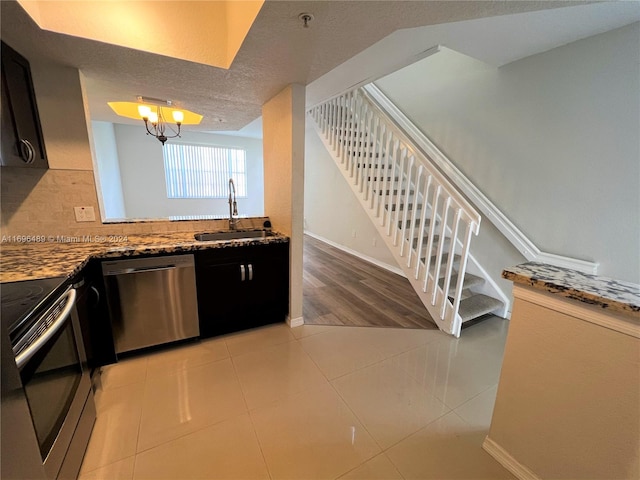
(425, 221)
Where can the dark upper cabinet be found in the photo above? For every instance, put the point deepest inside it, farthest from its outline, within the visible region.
(22, 141)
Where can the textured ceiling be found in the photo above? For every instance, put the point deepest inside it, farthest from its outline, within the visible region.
(276, 52)
(208, 32)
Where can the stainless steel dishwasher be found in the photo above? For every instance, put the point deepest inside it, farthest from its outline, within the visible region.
(152, 301)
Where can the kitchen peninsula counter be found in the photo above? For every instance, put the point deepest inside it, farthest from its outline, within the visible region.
(66, 256)
(602, 292)
(569, 390)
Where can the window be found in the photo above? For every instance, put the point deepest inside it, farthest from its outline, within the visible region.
(197, 171)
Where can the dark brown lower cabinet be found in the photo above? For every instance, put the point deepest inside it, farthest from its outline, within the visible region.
(242, 287)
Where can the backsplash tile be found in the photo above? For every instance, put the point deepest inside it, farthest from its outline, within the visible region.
(40, 202)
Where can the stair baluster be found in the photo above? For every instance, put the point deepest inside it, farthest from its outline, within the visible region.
(418, 212)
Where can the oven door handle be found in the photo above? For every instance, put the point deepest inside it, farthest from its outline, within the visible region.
(24, 356)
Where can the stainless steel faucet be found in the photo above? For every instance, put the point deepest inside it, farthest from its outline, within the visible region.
(233, 205)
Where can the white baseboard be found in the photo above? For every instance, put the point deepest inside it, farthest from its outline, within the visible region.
(507, 461)
(295, 322)
(355, 253)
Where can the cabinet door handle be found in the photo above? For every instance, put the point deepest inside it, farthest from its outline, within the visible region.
(242, 273)
(97, 292)
(250, 272)
(27, 152)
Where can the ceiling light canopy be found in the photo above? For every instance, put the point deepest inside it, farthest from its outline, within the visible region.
(155, 116)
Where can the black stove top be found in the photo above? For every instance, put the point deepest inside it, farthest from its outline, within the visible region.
(19, 301)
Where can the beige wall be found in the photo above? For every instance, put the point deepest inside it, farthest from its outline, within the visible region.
(568, 402)
(283, 120)
(62, 116)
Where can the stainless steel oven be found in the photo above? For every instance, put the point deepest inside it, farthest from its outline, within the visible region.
(55, 386)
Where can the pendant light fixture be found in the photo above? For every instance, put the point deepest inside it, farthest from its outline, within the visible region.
(155, 113)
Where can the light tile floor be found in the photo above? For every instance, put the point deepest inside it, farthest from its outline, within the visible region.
(313, 402)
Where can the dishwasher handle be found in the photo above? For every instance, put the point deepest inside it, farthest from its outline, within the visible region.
(127, 271)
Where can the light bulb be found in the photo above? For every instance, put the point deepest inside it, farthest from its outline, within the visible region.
(178, 116)
(144, 111)
(153, 117)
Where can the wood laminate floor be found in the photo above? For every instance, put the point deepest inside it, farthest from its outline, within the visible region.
(340, 289)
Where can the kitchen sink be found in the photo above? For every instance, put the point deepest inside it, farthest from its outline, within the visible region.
(231, 235)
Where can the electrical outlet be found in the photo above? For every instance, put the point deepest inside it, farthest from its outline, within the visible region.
(85, 214)
(374, 242)
(353, 233)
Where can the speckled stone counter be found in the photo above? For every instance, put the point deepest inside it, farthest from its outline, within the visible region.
(67, 256)
(606, 293)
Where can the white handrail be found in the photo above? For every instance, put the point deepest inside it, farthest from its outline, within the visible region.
(419, 211)
(491, 212)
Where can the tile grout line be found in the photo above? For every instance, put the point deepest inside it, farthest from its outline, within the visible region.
(154, 377)
(377, 361)
(248, 413)
(472, 398)
(352, 412)
(255, 434)
(144, 391)
(384, 450)
(192, 432)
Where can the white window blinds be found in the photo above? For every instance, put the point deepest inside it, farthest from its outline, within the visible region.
(197, 171)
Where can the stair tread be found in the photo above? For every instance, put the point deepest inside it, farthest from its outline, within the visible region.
(445, 258)
(425, 241)
(417, 223)
(362, 154)
(470, 280)
(409, 206)
(477, 305)
(394, 192)
(372, 166)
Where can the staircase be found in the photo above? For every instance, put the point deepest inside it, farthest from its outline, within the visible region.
(426, 223)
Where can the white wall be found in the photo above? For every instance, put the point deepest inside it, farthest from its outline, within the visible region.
(331, 210)
(143, 180)
(551, 139)
(106, 152)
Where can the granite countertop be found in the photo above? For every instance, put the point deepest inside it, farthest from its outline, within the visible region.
(67, 256)
(603, 292)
